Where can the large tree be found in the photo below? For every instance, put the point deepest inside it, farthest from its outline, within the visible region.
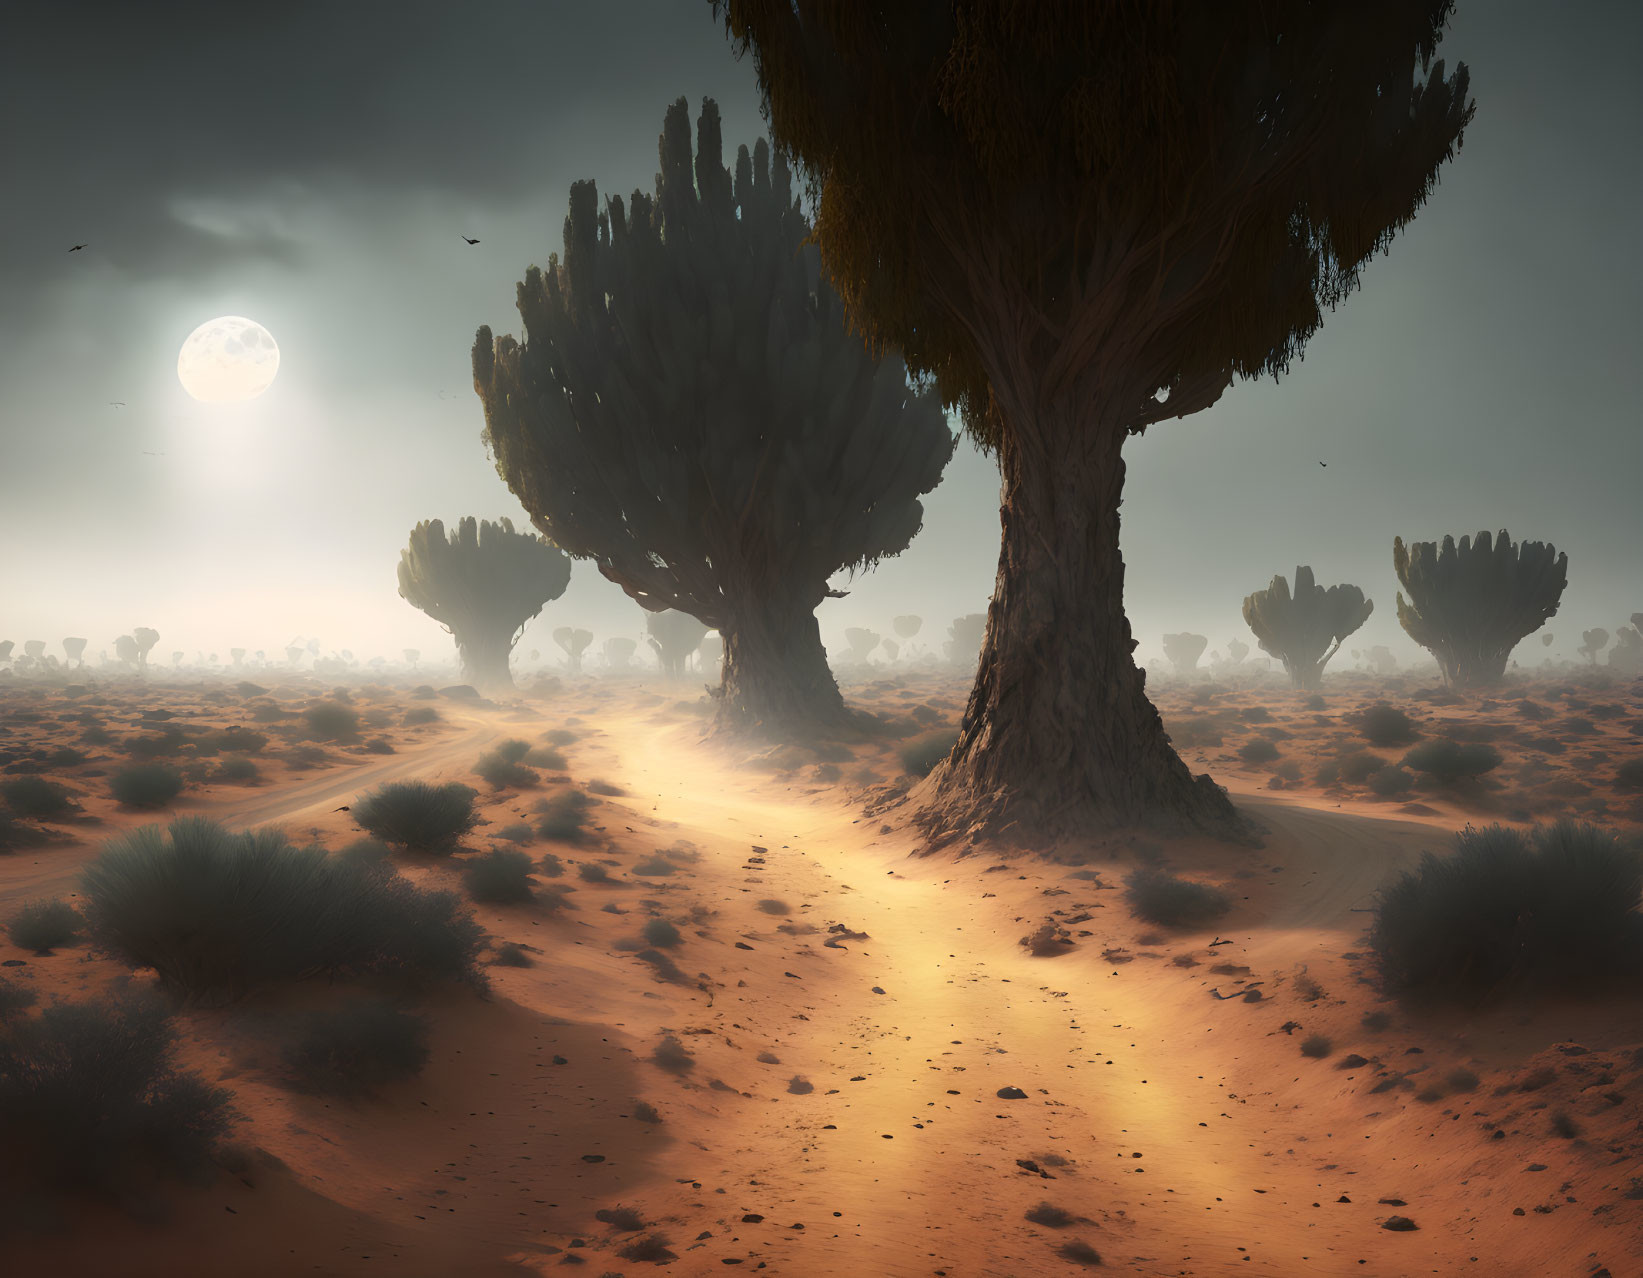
(482, 583)
(1081, 219)
(1306, 629)
(689, 411)
(1469, 603)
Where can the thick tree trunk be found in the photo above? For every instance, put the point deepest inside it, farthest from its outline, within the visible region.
(484, 656)
(1059, 739)
(776, 677)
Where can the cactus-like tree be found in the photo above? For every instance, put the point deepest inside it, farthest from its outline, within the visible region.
(1084, 219)
(75, 650)
(1183, 650)
(125, 650)
(1237, 650)
(6, 645)
(1470, 603)
(964, 637)
(483, 582)
(619, 650)
(574, 642)
(1592, 642)
(35, 649)
(1626, 657)
(907, 625)
(145, 639)
(674, 636)
(862, 641)
(690, 411)
(1306, 629)
(237, 656)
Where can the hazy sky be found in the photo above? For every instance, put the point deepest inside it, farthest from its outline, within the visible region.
(312, 166)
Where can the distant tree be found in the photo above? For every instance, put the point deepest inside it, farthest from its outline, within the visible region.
(75, 651)
(619, 652)
(1183, 650)
(1470, 604)
(482, 583)
(1082, 219)
(1305, 630)
(6, 646)
(145, 640)
(1546, 640)
(907, 626)
(964, 636)
(35, 649)
(237, 656)
(1627, 654)
(294, 654)
(412, 656)
(892, 649)
(1237, 650)
(690, 411)
(1381, 660)
(862, 642)
(674, 636)
(575, 642)
(125, 650)
(1592, 642)
(177, 657)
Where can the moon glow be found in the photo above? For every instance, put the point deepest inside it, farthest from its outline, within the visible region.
(228, 358)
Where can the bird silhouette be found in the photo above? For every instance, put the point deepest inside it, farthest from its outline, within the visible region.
(343, 808)
(77, 248)
(465, 239)
(116, 403)
(1323, 463)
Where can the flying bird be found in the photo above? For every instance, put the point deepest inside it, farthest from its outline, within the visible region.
(77, 248)
(1323, 463)
(465, 238)
(116, 403)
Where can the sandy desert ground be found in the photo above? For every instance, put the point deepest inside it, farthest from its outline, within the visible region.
(878, 1078)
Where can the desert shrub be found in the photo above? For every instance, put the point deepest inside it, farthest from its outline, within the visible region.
(216, 913)
(90, 1097)
(645, 1112)
(1050, 1216)
(1358, 767)
(1391, 781)
(331, 721)
(1316, 1046)
(1079, 1252)
(355, 1049)
(418, 815)
(160, 745)
(550, 866)
(920, 755)
(14, 834)
(14, 998)
(1629, 775)
(146, 785)
(1383, 725)
(547, 757)
(661, 933)
(593, 872)
(510, 954)
(563, 816)
(238, 770)
(43, 926)
(502, 765)
(671, 1055)
(652, 1249)
(518, 832)
(625, 1219)
(1259, 750)
(1451, 763)
(499, 877)
(418, 715)
(1160, 897)
(1556, 905)
(237, 740)
(37, 797)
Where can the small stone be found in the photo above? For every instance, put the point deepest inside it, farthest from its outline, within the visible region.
(1011, 1093)
(1399, 1224)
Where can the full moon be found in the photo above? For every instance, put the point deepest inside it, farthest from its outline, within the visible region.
(228, 358)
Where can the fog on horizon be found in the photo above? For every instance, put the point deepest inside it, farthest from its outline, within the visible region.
(1485, 376)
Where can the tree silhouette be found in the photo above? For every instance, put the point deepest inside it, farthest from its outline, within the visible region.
(689, 411)
(574, 642)
(1184, 649)
(619, 650)
(1083, 219)
(1469, 604)
(482, 583)
(145, 639)
(1306, 629)
(674, 636)
(1593, 642)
